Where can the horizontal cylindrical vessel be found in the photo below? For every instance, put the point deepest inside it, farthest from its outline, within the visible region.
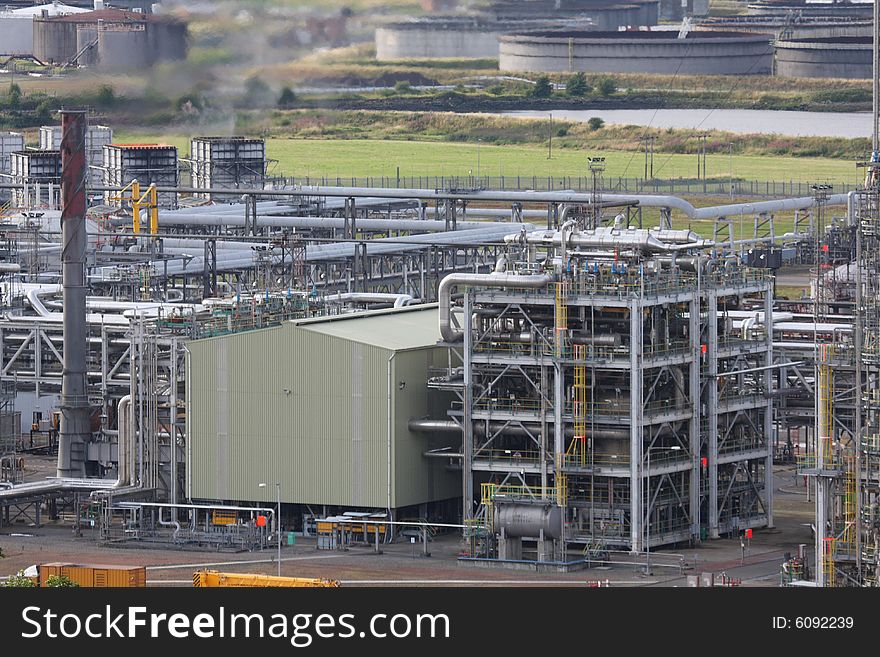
(529, 520)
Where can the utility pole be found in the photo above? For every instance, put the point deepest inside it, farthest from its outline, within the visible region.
(649, 156)
(701, 159)
(277, 519)
(730, 166)
(550, 140)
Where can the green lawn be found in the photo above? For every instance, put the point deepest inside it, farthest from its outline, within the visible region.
(350, 157)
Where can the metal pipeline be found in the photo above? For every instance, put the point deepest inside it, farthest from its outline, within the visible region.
(600, 238)
(601, 340)
(565, 233)
(452, 281)
(399, 300)
(125, 443)
(562, 197)
(524, 429)
(314, 222)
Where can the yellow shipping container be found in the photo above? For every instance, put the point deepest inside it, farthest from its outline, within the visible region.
(96, 576)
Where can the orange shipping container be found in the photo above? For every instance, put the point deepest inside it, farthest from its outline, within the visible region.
(96, 576)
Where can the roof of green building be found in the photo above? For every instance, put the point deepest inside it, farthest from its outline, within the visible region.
(395, 330)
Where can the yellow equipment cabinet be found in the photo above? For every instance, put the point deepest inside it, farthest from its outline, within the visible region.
(96, 576)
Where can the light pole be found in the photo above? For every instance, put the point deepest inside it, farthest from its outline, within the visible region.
(277, 520)
(674, 448)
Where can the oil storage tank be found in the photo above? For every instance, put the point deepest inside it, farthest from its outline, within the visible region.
(447, 37)
(698, 53)
(832, 57)
(87, 45)
(136, 38)
(810, 8)
(16, 25)
(802, 27)
(123, 47)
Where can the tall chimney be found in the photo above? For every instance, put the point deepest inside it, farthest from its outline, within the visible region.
(75, 422)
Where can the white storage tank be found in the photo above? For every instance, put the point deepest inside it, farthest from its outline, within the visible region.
(16, 34)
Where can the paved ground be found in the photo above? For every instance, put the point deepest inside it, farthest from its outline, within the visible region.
(400, 564)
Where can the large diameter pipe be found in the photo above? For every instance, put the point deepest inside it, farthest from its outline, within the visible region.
(419, 425)
(399, 300)
(75, 426)
(453, 281)
(326, 223)
(655, 201)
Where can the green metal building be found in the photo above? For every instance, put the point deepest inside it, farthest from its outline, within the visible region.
(321, 406)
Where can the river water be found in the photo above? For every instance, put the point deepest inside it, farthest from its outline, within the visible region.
(798, 124)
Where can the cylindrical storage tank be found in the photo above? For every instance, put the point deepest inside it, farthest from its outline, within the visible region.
(54, 39)
(700, 53)
(522, 519)
(16, 34)
(168, 39)
(809, 8)
(613, 16)
(86, 35)
(841, 57)
(805, 28)
(434, 41)
(123, 48)
(447, 38)
(606, 15)
(675, 10)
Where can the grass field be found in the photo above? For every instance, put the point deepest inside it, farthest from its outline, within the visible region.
(351, 157)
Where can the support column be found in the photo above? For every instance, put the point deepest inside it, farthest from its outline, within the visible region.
(768, 413)
(695, 438)
(635, 436)
(467, 448)
(558, 423)
(711, 356)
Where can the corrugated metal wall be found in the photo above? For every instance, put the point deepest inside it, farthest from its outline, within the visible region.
(311, 411)
(418, 479)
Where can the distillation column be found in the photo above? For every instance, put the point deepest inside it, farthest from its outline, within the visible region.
(75, 430)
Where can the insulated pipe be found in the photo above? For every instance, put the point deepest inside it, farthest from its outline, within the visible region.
(604, 238)
(399, 300)
(9, 267)
(340, 251)
(450, 426)
(338, 223)
(452, 281)
(565, 233)
(125, 443)
(657, 201)
(75, 429)
(601, 340)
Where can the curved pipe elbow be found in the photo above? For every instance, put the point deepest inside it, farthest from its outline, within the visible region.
(451, 282)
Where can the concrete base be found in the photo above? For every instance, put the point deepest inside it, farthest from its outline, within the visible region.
(532, 566)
